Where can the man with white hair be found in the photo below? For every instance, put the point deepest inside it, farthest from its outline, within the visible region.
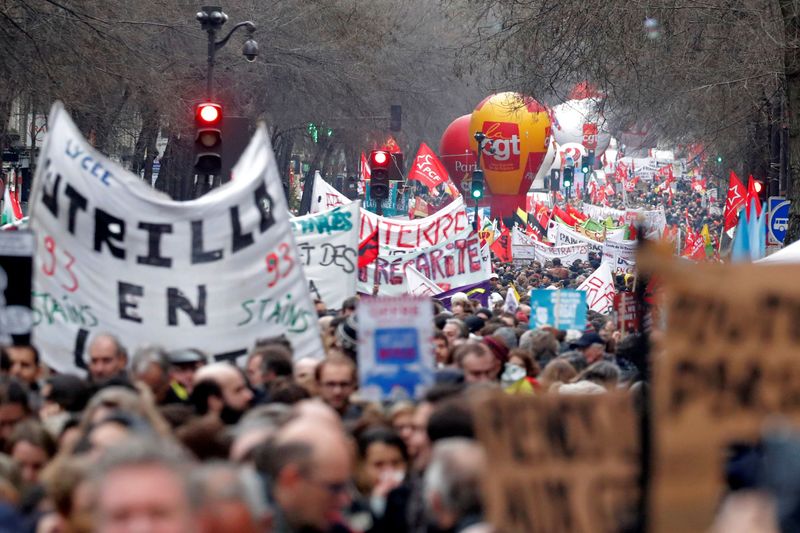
(453, 486)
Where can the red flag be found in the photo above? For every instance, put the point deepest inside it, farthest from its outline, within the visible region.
(427, 168)
(752, 195)
(577, 215)
(621, 172)
(501, 247)
(734, 201)
(366, 173)
(564, 216)
(391, 146)
(368, 249)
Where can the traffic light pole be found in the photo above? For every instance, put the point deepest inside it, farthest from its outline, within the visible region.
(211, 19)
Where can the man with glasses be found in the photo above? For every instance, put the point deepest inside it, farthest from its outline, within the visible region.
(336, 380)
(308, 466)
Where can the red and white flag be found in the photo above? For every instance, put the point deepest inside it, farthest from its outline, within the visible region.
(599, 288)
(427, 168)
(366, 173)
(734, 201)
(752, 196)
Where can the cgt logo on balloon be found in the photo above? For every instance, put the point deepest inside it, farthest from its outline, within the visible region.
(504, 151)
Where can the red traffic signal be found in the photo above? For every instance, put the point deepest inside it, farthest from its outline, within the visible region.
(208, 114)
(379, 159)
(758, 186)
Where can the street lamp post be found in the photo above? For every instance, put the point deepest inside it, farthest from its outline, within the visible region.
(211, 20)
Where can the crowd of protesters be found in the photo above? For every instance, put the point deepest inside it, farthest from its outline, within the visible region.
(171, 441)
(157, 441)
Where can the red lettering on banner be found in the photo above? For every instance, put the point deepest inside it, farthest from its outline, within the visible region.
(444, 227)
(401, 243)
(380, 271)
(396, 271)
(389, 232)
(460, 221)
(426, 234)
(436, 268)
(449, 265)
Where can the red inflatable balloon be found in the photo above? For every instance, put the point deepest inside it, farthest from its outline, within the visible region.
(454, 149)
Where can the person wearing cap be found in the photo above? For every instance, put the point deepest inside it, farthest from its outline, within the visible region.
(591, 345)
(183, 365)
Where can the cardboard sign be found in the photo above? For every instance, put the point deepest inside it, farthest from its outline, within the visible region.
(560, 463)
(562, 309)
(113, 255)
(727, 365)
(620, 256)
(628, 319)
(394, 347)
(16, 264)
(327, 246)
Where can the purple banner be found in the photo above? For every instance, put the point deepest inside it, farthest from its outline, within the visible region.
(476, 291)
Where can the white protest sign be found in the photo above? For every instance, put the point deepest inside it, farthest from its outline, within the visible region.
(526, 248)
(413, 235)
(599, 288)
(324, 196)
(454, 262)
(599, 212)
(327, 244)
(419, 285)
(394, 347)
(114, 255)
(564, 236)
(619, 255)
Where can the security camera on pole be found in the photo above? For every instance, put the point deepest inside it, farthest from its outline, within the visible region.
(208, 114)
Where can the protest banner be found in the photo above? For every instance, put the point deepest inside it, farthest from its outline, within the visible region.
(395, 360)
(475, 291)
(728, 364)
(453, 262)
(563, 309)
(526, 248)
(420, 233)
(114, 255)
(418, 285)
(620, 256)
(628, 319)
(324, 196)
(599, 287)
(560, 463)
(327, 247)
(653, 221)
(16, 265)
(561, 235)
(599, 212)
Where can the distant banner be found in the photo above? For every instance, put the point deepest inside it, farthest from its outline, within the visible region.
(599, 212)
(561, 235)
(654, 221)
(113, 255)
(420, 233)
(620, 256)
(324, 196)
(526, 248)
(451, 263)
(563, 309)
(327, 245)
(476, 291)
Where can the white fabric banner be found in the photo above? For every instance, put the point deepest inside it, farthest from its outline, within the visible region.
(453, 262)
(654, 221)
(327, 244)
(114, 255)
(599, 289)
(324, 196)
(620, 256)
(413, 235)
(419, 285)
(525, 248)
(564, 236)
(600, 213)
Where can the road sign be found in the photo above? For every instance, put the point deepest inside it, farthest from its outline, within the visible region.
(778, 219)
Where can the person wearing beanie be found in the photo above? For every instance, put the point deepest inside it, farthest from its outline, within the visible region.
(498, 348)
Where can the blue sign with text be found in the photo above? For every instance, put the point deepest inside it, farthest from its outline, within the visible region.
(563, 309)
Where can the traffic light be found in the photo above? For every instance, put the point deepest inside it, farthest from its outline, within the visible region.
(208, 139)
(568, 174)
(379, 161)
(761, 190)
(477, 184)
(719, 159)
(587, 162)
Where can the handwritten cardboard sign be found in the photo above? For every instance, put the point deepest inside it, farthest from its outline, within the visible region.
(560, 463)
(114, 255)
(729, 362)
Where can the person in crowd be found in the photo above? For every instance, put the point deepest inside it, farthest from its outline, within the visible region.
(456, 331)
(441, 350)
(14, 407)
(381, 467)
(144, 486)
(25, 366)
(265, 365)
(337, 379)
(556, 372)
(477, 362)
(184, 363)
(591, 345)
(31, 447)
(150, 366)
(108, 359)
(309, 468)
(519, 374)
(220, 391)
(452, 486)
(304, 374)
